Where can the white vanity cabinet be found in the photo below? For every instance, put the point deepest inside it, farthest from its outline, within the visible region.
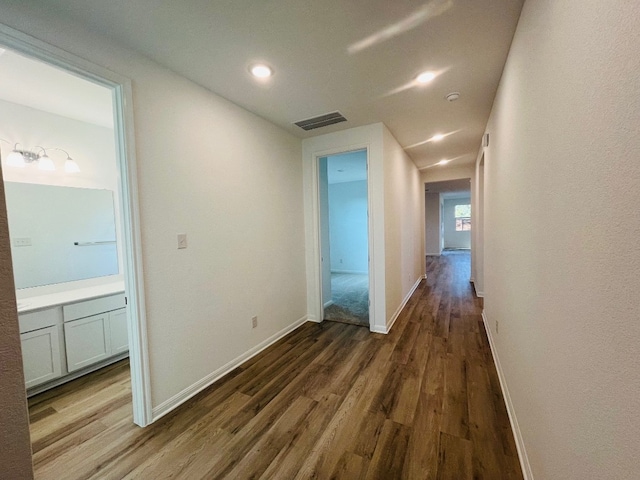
(69, 333)
(40, 338)
(95, 330)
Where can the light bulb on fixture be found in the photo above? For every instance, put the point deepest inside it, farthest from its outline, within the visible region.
(261, 70)
(45, 163)
(70, 166)
(15, 159)
(425, 77)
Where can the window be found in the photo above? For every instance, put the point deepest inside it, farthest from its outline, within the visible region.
(463, 218)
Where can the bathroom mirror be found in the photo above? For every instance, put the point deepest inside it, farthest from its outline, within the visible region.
(60, 234)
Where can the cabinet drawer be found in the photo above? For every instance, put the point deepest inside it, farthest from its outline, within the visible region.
(95, 306)
(39, 319)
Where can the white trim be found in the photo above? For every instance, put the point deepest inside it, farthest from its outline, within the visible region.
(192, 390)
(328, 304)
(522, 452)
(315, 154)
(434, 254)
(123, 129)
(352, 272)
(479, 294)
(386, 329)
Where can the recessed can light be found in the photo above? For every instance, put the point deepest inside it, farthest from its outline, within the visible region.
(453, 96)
(425, 77)
(260, 70)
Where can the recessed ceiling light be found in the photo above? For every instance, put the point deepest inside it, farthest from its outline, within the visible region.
(453, 96)
(260, 70)
(437, 137)
(425, 77)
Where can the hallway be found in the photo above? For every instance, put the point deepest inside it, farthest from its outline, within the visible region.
(329, 400)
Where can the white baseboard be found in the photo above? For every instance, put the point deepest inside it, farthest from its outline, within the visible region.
(352, 272)
(181, 397)
(522, 453)
(386, 329)
(433, 254)
(328, 304)
(475, 289)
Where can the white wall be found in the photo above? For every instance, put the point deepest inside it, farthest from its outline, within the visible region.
(404, 225)
(562, 254)
(348, 227)
(432, 223)
(453, 238)
(92, 147)
(228, 179)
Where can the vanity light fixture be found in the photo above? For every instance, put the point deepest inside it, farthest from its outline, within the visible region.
(21, 157)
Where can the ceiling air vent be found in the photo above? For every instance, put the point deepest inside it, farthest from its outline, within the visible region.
(321, 121)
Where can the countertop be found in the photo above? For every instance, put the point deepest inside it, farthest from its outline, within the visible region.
(29, 304)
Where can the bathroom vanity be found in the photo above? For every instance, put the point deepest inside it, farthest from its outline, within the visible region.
(66, 267)
(68, 334)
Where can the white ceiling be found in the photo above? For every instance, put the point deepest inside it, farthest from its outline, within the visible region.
(357, 56)
(37, 85)
(449, 187)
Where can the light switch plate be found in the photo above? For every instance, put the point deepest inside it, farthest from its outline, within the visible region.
(22, 242)
(182, 240)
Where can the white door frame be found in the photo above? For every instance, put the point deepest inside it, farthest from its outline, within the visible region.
(128, 191)
(318, 306)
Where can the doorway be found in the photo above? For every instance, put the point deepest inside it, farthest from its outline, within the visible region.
(447, 216)
(41, 162)
(344, 237)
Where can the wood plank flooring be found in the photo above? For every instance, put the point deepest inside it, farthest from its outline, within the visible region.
(328, 401)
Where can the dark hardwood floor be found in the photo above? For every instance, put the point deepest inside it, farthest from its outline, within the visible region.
(329, 400)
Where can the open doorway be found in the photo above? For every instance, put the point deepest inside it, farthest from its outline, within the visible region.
(448, 218)
(69, 183)
(344, 237)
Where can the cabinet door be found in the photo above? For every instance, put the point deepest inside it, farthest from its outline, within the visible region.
(41, 356)
(87, 341)
(118, 331)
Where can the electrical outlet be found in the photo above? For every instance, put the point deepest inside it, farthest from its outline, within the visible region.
(497, 325)
(254, 322)
(182, 240)
(22, 242)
